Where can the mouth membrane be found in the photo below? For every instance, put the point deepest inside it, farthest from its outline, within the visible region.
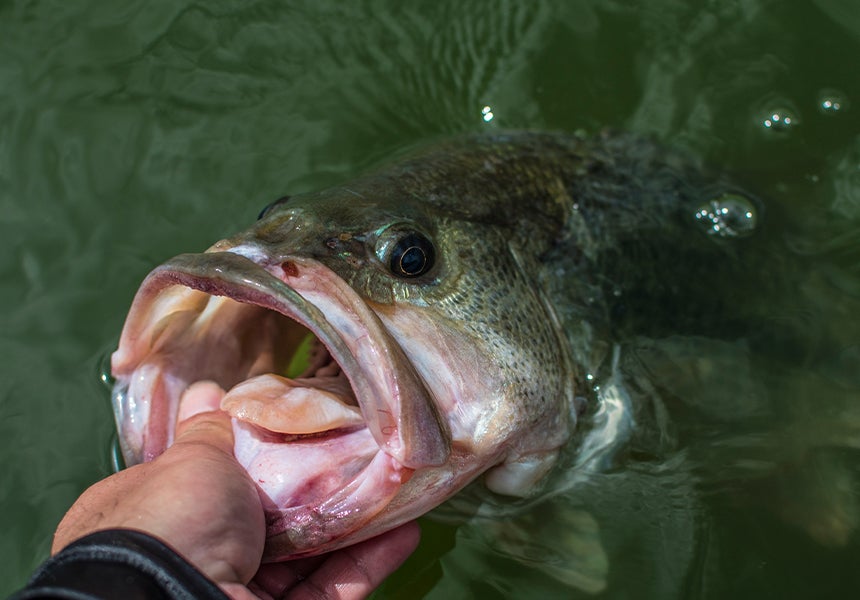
(276, 374)
(308, 397)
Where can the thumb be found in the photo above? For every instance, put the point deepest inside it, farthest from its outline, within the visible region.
(200, 418)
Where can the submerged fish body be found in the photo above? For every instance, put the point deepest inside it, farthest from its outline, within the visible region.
(460, 300)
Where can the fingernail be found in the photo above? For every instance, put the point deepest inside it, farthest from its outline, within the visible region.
(200, 397)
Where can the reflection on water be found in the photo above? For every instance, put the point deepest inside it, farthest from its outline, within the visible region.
(133, 132)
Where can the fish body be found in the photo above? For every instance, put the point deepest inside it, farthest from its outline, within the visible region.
(460, 300)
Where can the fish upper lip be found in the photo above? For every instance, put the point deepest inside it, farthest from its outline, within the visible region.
(396, 406)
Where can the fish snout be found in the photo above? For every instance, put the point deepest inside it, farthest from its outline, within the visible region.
(293, 232)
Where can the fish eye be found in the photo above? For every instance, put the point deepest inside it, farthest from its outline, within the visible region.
(411, 256)
(268, 208)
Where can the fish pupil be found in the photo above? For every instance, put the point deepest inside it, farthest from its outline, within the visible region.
(412, 256)
(413, 260)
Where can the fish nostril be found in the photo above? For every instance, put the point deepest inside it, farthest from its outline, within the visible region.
(268, 208)
(290, 269)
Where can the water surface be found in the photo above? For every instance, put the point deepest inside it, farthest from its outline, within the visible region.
(131, 132)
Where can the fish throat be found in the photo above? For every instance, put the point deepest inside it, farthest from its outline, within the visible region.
(312, 402)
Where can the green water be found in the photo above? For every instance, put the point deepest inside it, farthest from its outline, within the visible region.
(130, 132)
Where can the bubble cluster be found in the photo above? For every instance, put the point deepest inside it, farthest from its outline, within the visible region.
(831, 102)
(780, 119)
(730, 215)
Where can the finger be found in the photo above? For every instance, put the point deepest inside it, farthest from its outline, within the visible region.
(200, 419)
(354, 572)
(201, 396)
(237, 591)
(277, 578)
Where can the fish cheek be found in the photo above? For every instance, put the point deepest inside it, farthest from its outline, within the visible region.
(505, 382)
(504, 309)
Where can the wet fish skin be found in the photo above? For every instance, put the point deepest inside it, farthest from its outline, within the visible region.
(584, 220)
(559, 201)
(494, 206)
(532, 236)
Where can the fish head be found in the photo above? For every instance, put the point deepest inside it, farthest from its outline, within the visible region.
(435, 359)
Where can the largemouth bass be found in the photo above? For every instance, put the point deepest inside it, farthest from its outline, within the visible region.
(460, 300)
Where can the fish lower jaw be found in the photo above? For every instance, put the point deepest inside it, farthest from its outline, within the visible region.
(320, 490)
(146, 406)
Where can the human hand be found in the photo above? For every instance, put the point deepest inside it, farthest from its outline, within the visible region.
(198, 499)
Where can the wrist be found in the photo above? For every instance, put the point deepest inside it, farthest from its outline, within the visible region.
(113, 562)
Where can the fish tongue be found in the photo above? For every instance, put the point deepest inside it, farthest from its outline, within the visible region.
(285, 406)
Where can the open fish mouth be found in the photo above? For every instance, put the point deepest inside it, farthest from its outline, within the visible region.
(330, 448)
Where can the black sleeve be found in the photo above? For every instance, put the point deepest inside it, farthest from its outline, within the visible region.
(119, 563)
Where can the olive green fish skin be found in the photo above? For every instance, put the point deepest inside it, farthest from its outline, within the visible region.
(493, 207)
(585, 223)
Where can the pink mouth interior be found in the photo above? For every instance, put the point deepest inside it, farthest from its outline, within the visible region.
(300, 438)
(245, 349)
(304, 441)
(329, 448)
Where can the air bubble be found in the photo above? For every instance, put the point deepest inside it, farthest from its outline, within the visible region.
(831, 102)
(730, 215)
(104, 374)
(779, 119)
